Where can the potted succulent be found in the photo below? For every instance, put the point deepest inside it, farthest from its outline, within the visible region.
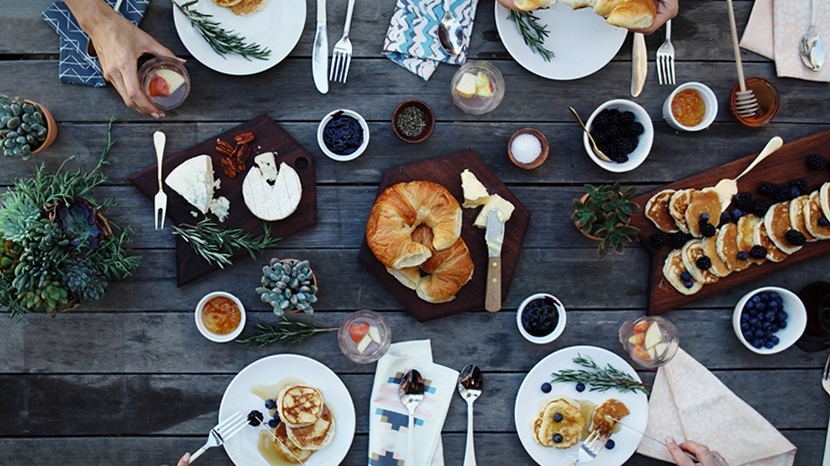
(604, 213)
(289, 285)
(26, 128)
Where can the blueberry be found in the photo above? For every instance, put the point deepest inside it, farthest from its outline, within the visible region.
(769, 344)
(758, 343)
(774, 339)
(744, 326)
(273, 423)
(557, 438)
(742, 256)
(753, 322)
(823, 222)
(782, 324)
(758, 333)
(685, 276)
(756, 298)
(704, 217)
(744, 317)
(546, 387)
(270, 404)
(767, 326)
(769, 316)
(580, 387)
(725, 217)
(689, 284)
(610, 444)
(747, 335)
(557, 417)
(736, 214)
(750, 304)
(781, 316)
(773, 327)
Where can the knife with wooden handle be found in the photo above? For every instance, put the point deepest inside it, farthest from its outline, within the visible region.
(639, 64)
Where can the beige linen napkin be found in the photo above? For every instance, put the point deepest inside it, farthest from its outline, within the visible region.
(758, 32)
(689, 403)
(389, 419)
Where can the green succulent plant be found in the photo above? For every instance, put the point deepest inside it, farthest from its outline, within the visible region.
(288, 285)
(604, 213)
(22, 127)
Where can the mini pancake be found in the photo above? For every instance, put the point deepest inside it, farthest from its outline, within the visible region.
(284, 447)
(761, 237)
(691, 252)
(746, 235)
(226, 3)
(777, 221)
(569, 426)
(613, 408)
(813, 215)
(248, 7)
(299, 405)
(824, 198)
(314, 436)
(710, 249)
(704, 201)
(672, 269)
(797, 222)
(657, 210)
(678, 203)
(727, 243)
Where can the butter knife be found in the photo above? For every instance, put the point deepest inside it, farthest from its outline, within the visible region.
(639, 62)
(320, 52)
(494, 236)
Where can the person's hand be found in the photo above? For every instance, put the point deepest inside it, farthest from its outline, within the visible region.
(184, 460)
(118, 45)
(705, 457)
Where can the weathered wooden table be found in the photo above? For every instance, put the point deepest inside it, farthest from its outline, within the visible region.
(128, 379)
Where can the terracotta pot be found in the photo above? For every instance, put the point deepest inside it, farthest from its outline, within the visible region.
(51, 128)
(585, 233)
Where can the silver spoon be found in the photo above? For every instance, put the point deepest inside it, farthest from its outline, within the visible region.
(726, 188)
(811, 46)
(411, 392)
(470, 383)
(449, 31)
(594, 146)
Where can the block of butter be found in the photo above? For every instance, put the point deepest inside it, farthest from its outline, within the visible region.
(503, 206)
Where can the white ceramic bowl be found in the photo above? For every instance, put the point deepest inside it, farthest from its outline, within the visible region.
(709, 100)
(557, 330)
(796, 320)
(338, 157)
(643, 147)
(215, 337)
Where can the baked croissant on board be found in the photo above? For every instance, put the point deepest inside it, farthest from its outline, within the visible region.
(629, 14)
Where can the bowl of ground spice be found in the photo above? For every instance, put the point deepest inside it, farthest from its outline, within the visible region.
(413, 121)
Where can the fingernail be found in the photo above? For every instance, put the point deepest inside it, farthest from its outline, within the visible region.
(186, 457)
(670, 441)
(155, 115)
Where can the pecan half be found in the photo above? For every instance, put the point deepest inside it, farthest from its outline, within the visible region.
(228, 167)
(244, 138)
(224, 147)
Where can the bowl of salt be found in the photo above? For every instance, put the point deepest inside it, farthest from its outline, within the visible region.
(528, 148)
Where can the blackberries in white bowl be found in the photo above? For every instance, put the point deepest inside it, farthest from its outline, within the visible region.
(769, 320)
(623, 131)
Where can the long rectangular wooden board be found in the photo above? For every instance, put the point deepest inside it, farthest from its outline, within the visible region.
(446, 171)
(782, 167)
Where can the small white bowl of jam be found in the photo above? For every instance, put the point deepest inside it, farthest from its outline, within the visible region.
(220, 316)
(691, 107)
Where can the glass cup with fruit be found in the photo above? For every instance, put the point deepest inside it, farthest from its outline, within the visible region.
(651, 341)
(364, 336)
(477, 87)
(165, 82)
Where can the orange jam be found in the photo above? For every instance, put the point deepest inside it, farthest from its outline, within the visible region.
(688, 107)
(221, 315)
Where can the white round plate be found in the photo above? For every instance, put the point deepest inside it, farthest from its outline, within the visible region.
(242, 448)
(581, 40)
(278, 27)
(530, 398)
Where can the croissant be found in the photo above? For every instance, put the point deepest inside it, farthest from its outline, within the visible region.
(629, 14)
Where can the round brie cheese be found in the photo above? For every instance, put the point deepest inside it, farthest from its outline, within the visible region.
(271, 193)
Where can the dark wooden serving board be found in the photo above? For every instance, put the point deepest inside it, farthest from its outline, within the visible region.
(782, 167)
(446, 171)
(270, 137)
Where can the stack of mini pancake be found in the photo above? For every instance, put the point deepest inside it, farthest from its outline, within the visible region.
(561, 423)
(242, 7)
(729, 249)
(306, 423)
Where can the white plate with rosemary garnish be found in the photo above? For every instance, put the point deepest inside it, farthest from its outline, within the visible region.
(611, 373)
(271, 33)
(580, 41)
(264, 378)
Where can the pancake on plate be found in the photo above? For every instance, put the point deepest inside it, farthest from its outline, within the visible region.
(299, 405)
(814, 218)
(727, 243)
(777, 221)
(226, 3)
(560, 419)
(678, 203)
(710, 249)
(691, 252)
(314, 436)
(673, 268)
(746, 235)
(285, 448)
(606, 415)
(761, 237)
(248, 7)
(704, 201)
(797, 222)
(657, 210)
(824, 198)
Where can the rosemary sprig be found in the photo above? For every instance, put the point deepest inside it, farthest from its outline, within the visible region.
(533, 33)
(599, 379)
(216, 244)
(287, 332)
(221, 40)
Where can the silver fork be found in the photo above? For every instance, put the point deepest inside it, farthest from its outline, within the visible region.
(342, 54)
(160, 201)
(825, 383)
(591, 446)
(665, 59)
(222, 432)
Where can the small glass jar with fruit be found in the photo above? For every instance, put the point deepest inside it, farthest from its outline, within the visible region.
(651, 341)
(477, 87)
(165, 82)
(364, 336)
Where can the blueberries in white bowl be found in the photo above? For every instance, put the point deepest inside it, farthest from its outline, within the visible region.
(769, 320)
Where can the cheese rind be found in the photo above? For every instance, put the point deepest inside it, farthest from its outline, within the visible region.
(503, 206)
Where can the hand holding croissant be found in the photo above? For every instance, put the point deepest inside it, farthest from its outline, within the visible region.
(644, 16)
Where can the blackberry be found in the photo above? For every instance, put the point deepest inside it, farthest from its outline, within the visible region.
(795, 237)
(760, 207)
(678, 239)
(255, 418)
(704, 218)
(758, 252)
(742, 256)
(801, 185)
(637, 128)
(742, 201)
(768, 189)
(703, 263)
(708, 230)
(658, 240)
(816, 162)
(782, 194)
(627, 118)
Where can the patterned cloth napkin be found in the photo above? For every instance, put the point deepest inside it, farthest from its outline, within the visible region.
(412, 38)
(774, 30)
(76, 65)
(389, 419)
(689, 403)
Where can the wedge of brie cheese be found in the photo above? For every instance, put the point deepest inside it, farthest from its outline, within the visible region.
(475, 194)
(193, 180)
(503, 206)
(271, 193)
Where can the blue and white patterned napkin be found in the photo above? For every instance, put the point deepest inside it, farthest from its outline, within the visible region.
(76, 65)
(412, 38)
(389, 419)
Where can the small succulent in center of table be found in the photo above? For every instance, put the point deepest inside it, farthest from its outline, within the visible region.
(288, 285)
(604, 213)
